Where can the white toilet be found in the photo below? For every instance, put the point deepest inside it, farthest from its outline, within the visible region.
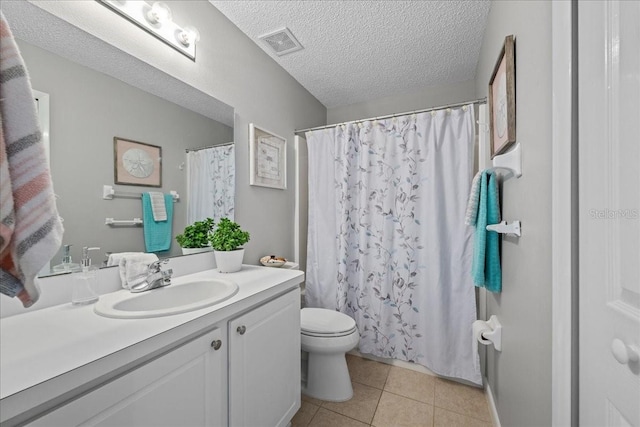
(326, 336)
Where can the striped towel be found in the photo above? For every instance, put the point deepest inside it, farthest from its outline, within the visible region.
(157, 206)
(30, 228)
(472, 206)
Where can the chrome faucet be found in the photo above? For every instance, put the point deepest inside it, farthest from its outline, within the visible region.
(156, 277)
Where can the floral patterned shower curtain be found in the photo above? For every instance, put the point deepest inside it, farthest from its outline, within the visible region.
(387, 241)
(211, 183)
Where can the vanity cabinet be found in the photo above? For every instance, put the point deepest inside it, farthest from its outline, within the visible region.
(184, 387)
(264, 363)
(241, 371)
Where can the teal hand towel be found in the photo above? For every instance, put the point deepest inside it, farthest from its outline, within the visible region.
(157, 234)
(486, 270)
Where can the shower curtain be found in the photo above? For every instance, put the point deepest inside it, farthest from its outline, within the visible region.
(387, 242)
(211, 174)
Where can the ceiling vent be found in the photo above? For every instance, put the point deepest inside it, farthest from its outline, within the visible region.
(282, 41)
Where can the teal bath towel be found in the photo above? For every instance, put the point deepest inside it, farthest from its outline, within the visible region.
(486, 270)
(157, 234)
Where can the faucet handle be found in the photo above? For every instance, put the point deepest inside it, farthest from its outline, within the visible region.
(155, 266)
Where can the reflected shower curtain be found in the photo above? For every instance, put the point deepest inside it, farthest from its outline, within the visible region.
(387, 241)
(211, 178)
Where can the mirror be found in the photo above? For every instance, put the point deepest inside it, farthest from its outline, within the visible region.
(87, 110)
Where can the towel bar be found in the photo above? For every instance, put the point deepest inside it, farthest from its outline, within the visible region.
(511, 161)
(108, 193)
(116, 222)
(504, 228)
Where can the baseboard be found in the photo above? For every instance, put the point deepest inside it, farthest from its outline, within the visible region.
(492, 405)
(394, 362)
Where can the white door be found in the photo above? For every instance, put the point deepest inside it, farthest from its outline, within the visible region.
(609, 212)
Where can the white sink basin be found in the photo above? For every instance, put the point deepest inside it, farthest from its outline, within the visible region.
(172, 299)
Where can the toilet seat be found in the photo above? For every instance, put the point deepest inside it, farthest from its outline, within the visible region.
(320, 322)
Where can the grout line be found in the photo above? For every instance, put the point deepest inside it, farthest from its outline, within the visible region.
(410, 398)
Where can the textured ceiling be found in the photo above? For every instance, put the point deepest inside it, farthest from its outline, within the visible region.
(356, 51)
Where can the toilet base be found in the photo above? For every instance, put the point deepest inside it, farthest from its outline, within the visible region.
(328, 378)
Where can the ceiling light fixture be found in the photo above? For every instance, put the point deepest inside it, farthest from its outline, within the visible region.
(159, 13)
(157, 20)
(189, 35)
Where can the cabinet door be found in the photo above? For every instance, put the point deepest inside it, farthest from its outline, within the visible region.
(264, 364)
(185, 387)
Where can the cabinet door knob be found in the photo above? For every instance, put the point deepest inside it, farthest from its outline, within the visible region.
(624, 353)
(216, 344)
(241, 329)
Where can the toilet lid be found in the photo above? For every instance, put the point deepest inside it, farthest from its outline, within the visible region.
(324, 321)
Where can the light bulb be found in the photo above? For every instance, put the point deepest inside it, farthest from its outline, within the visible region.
(159, 13)
(189, 35)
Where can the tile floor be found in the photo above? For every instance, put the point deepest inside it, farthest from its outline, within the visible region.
(386, 396)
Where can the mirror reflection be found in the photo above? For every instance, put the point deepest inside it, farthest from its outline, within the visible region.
(88, 110)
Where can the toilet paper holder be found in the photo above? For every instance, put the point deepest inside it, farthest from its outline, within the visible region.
(495, 336)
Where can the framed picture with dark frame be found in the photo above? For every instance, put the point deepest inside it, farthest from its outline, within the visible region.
(137, 163)
(502, 100)
(267, 158)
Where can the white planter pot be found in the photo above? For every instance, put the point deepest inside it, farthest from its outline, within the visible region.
(189, 251)
(229, 261)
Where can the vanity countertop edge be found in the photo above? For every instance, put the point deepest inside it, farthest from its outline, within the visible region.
(53, 354)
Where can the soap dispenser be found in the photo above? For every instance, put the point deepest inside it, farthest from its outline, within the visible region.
(66, 266)
(85, 283)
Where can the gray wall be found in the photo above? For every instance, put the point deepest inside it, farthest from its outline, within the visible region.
(432, 96)
(520, 375)
(88, 109)
(231, 68)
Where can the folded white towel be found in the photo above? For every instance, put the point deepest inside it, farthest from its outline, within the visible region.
(158, 207)
(114, 258)
(132, 265)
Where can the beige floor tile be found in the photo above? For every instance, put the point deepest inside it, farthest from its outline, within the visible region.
(412, 384)
(398, 411)
(462, 399)
(313, 400)
(362, 405)
(303, 417)
(326, 418)
(367, 372)
(444, 418)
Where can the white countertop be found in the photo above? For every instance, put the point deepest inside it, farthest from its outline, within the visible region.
(44, 345)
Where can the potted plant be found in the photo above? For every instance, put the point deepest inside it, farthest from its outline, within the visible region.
(226, 241)
(195, 237)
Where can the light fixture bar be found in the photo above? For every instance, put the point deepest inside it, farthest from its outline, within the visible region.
(156, 20)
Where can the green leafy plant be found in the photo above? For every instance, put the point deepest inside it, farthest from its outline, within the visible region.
(228, 236)
(196, 235)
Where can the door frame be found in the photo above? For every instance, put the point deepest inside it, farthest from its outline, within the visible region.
(564, 219)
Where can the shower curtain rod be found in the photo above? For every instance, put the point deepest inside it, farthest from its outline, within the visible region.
(388, 116)
(210, 146)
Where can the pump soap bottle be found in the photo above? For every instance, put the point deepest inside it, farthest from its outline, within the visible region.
(66, 266)
(85, 283)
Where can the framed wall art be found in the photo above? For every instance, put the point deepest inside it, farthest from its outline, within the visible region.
(268, 158)
(137, 163)
(502, 100)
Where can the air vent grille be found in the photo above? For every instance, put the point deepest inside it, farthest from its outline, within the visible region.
(282, 41)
